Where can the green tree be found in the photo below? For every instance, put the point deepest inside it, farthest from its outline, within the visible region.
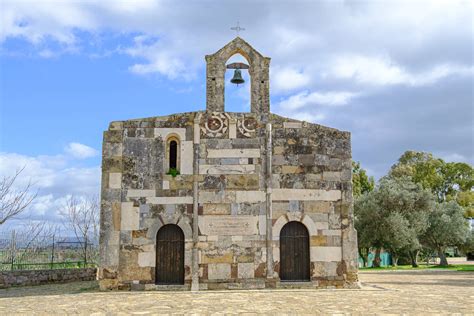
(393, 216)
(447, 180)
(466, 200)
(457, 177)
(469, 244)
(361, 182)
(422, 168)
(447, 228)
(367, 217)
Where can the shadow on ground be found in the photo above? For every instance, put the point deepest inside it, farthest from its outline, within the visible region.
(417, 272)
(425, 278)
(51, 289)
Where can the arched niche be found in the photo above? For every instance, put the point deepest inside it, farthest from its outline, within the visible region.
(173, 153)
(169, 266)
(258, 71)
(237, 97)
(294, 252)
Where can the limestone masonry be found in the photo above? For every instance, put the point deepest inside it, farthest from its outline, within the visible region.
(220, 200)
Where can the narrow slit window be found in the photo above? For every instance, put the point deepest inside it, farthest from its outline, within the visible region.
(173, 154)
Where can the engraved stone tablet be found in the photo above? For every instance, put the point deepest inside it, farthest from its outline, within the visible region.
(228, 225)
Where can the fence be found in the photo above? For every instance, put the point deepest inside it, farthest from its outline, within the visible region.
(18, 251)
(385, 260)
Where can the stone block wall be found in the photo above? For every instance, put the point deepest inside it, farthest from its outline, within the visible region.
(232, 199)
(37, 277)
(312, 183)
(139, 197)
(230, 188)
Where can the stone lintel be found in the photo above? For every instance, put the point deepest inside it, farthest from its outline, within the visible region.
(115, 180)
(325, 253)
(170, 200)
(147, 259)
(132, 193)
(250, 196)
(226, 169)
(292, 124)
(305, 195)
(164, 132)
(219, 271)
(233, 153)
(129, 219)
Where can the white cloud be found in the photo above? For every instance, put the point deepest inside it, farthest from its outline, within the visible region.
(337, 46)
(160, 57)
(80, 151)
(162, 63)
(54, 178)
(37, 21)
(301, 45)
(309, 117)
(305, 99)
(383, 71)
(313, 106)
(288, 79)
(453, 157)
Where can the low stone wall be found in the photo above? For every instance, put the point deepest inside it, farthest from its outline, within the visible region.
(37, 277)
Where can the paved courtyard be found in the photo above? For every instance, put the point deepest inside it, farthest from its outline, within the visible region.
(396, 292)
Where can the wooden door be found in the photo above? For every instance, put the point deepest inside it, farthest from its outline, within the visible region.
(169, 255)
(294, 252)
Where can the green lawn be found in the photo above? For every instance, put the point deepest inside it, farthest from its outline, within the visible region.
(455, 267)
(45, 266)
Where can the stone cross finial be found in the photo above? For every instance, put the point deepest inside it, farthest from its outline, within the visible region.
(237, 28)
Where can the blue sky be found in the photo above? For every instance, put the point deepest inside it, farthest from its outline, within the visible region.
(397, 74)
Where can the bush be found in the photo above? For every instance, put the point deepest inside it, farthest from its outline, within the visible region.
(173, 172)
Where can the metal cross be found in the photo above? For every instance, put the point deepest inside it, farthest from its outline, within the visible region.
(237, 28)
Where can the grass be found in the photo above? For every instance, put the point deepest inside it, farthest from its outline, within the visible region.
(46, 266)
(454, 267)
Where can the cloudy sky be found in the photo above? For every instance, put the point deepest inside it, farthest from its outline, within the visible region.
(398, 75)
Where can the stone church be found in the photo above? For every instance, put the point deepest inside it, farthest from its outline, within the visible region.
(218, 200)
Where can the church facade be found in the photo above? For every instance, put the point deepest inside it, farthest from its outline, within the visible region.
(219, 200)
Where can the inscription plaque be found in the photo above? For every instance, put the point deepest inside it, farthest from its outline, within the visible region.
(228, 225)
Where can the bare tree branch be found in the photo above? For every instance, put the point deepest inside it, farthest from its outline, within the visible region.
(33, 236)
(82, 217)
(14, 201)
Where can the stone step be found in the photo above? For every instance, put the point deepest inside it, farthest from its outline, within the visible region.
(297, 285)
(170, 287)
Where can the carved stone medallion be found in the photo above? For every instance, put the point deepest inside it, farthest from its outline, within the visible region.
(247, 126)
(215, 125)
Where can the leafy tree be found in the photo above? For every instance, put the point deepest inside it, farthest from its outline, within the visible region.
(367, 219)
(447, 228)
(393, 216)
(445, 180)
(468, 246)
(458, 177)
(422, 168)
(361, 183)
(466, 200)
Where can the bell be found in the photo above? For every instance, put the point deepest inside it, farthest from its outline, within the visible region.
(237, 79)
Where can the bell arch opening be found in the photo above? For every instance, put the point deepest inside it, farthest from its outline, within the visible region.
(258, 67)
(237, 95)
